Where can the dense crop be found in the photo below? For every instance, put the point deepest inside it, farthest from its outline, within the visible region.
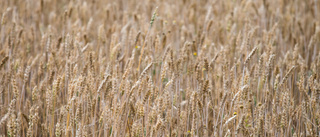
(160, 68)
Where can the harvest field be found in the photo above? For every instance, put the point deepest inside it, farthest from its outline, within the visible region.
(153, 68)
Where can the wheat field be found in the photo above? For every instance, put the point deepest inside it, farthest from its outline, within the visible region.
(154, 68)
